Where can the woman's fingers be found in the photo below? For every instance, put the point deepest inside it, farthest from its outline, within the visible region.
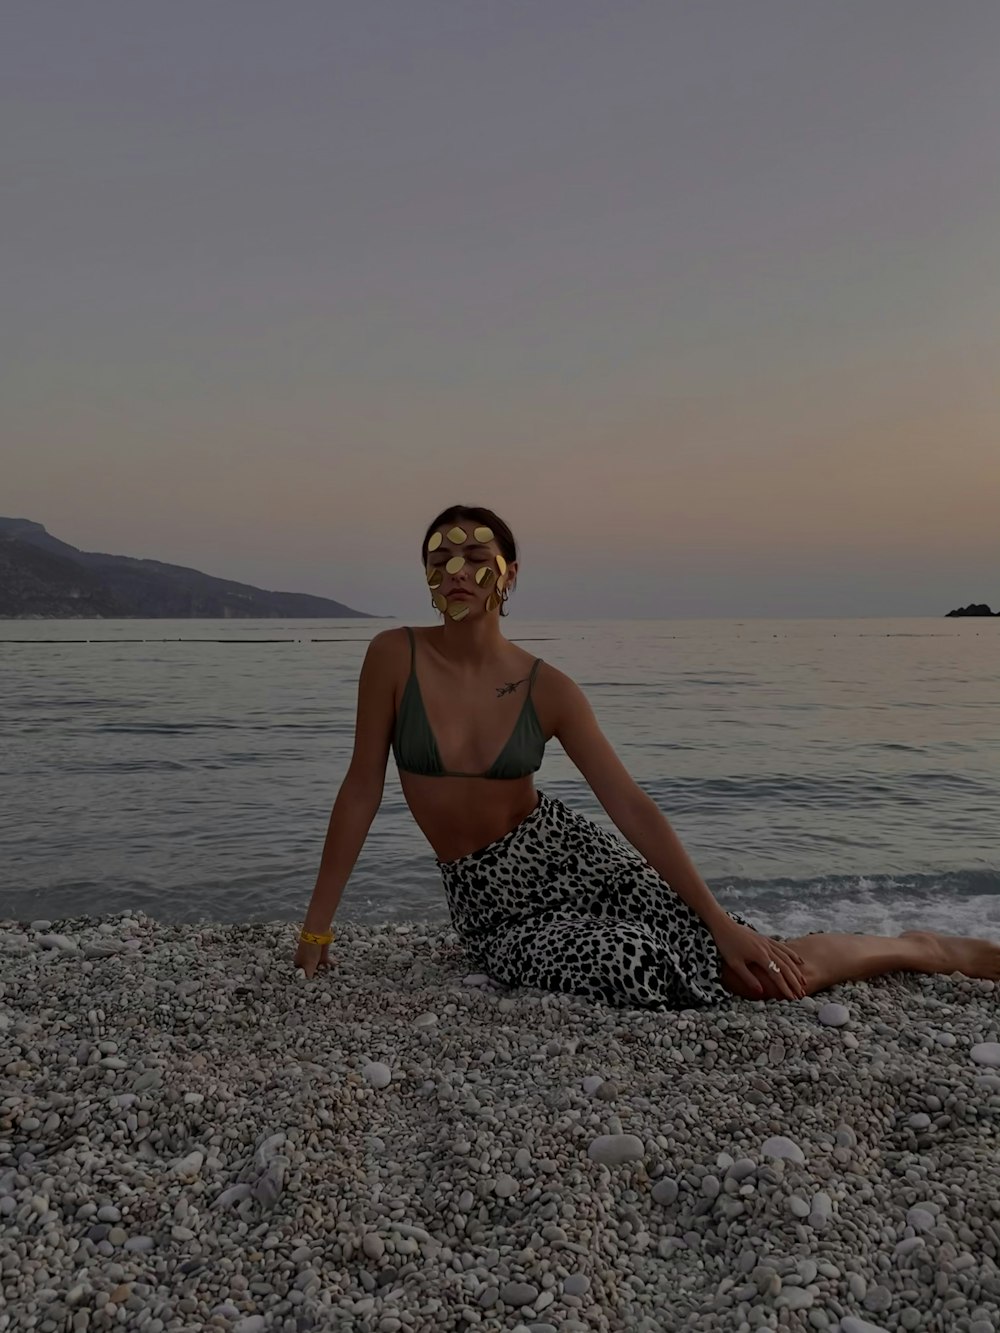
(787, 983)
(311, 957)
(798, 968)
(788, 961)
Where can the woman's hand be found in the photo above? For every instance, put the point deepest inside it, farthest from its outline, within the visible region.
(748, 953)
(312, 957)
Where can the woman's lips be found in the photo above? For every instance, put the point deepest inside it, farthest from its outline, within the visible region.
(460, 592)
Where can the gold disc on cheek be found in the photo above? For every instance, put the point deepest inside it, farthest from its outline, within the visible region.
(483, 534)
(459, 611)
(501, 564)
(434, 541)
(435, 577)
(455, 564)
(457, 534)
(440, 601)
(485, 576)
(492, 602)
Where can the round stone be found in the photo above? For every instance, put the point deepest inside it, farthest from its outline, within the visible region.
(665, 1191)
(518, 1293)
(834, 1015)
(614, 1149)
(987, 1053)
(373, 1245)
(783, 1148)
(377, 1074)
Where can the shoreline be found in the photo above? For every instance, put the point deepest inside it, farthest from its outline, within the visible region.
(191, 1135)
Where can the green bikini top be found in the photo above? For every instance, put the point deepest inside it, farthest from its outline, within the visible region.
(416, 751)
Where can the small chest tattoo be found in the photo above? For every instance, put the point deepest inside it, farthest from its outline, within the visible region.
(510, 687)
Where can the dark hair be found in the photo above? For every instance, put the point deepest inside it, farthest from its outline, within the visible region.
(479, 516)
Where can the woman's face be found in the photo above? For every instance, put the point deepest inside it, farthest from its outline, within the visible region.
(465, 571)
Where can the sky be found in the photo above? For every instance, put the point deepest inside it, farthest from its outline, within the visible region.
(702, 298)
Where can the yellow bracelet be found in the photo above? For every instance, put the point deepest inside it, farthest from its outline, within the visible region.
(310, 937)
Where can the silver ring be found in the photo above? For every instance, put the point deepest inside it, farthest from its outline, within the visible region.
(773, 966)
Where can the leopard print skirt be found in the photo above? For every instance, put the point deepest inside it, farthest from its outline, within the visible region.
(561, 904)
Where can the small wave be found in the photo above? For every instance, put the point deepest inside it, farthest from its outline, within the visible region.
(958, 902)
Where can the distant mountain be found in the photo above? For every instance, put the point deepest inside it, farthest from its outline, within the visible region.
(974, 609)
(43, 578)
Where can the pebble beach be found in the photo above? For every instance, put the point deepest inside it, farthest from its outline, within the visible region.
(193, 1135)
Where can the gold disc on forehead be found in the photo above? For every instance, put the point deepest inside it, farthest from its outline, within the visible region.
(485, 576)
(459, 611)
(434, 541)
(501, 564)
(440, 601)
(483, 534)
(455, 564)
(457, 534)
(492, 602)
(435, 577)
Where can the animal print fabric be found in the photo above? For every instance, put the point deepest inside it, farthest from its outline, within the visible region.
(561, 904)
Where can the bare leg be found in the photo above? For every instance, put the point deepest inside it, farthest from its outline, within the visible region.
(832, 958)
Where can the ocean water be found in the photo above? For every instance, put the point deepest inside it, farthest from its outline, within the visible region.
(823, 774)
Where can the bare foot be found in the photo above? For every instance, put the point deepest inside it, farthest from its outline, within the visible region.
(959, 953)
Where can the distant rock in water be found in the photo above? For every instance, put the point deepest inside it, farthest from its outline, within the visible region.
(974, 609)
(43, 578)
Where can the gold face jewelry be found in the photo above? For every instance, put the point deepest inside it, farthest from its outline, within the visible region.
(485, 575)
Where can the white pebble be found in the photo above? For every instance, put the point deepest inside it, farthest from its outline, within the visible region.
(919, 1218)
(779, 1146)
(834, 1015)
(377, 1074)
(189, 1165)
(613, 1149)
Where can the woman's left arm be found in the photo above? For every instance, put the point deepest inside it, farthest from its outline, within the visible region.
(648, 830)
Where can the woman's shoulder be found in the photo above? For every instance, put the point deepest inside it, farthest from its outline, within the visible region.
(554, 687)
(386, 653)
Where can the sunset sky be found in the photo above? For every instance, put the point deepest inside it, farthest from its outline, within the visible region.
(702, 297)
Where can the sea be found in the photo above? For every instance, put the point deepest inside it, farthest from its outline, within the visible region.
(822, 774)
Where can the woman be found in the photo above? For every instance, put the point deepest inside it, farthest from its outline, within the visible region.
(541, 895)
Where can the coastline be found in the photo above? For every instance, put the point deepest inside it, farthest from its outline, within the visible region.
(192, 1135)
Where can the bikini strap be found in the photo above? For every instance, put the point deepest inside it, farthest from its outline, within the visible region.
(534, 672)
(413, 651)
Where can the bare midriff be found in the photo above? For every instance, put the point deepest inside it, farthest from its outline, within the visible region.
(460, 815)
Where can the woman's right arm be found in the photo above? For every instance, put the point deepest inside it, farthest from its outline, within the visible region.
(360, 792)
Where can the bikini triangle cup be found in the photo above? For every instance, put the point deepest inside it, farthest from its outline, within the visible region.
(416, 751)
